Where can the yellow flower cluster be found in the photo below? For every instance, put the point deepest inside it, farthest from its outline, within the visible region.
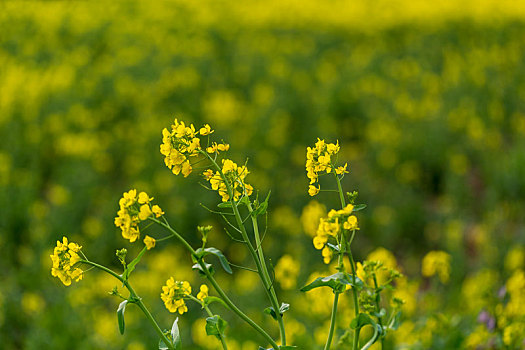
(173, 294)
(437, 262)
(235, 176)
(319, 159)
(203, 292)
(181, 143)
(335, 223)
(134, 209)
(64, 258)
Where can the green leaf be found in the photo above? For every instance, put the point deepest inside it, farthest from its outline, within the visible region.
(262, 208)
(380, 314)
(120, 316)
(210, 299)
(222, 259)
(396, 320)
(175, 335)
(361, 320)
(199, 268)
(216, 326)
(374, 338)
(359, 207)
(337, 282)
(270, 311)
(131, 265)
(162, 345)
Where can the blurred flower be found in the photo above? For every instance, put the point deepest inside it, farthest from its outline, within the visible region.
(286, 271)
(436, 262)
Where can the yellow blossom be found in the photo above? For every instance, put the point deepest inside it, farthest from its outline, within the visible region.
(286, 271)
(351, 223)
(340, 170)
(149, 242)
(319, 160)
(203, 293)
(312, 190)
(327, 254)
(234, 176)
(436, 262)
(173, 294)
(64, 258)
(206, 130)
(145, 212)
(157, 211)
(144, 198)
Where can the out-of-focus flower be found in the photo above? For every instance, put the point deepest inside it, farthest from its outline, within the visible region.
(437, 262)
(286, 271)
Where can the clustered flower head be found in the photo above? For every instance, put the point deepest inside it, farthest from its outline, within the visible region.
(173, 294)
(133, 210)
(181, 143)
(235, 176)
(332, 226)
(437, 262)
(64, 258)
(319, 159)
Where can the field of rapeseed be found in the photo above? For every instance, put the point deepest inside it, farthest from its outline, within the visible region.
(423, 102)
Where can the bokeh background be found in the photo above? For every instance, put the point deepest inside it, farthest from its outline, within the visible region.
(426, 100)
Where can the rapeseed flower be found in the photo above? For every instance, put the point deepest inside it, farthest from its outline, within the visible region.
(437, 262)
(65, 257)
(179, 144)
(319, 159)
(133, 210)
(173, 294)
(149, 242)
(203, 292)
(234, 175)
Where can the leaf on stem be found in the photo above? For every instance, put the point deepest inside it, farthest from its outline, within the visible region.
(261, 208)
(216, 326)
(202, 272)
(120, 316)
(175, 335)
(131, 265)
(338, 282)
(200, 253)
(210, 299)
(270, 310)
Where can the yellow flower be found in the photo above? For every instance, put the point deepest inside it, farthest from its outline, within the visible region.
(206, 130)
(157, 211)
(64, 258)
(351, 223)
(312, 190)
(286, 271)
(320, 241)
(437, 262)
(327, 255)
(203, 293)
(234, 176)
(341, 169)
(144, 198)
(223, 147)
(145, 212)
(173, 294)
(149, 242)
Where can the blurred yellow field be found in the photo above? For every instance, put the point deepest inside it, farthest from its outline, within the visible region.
(425, 101)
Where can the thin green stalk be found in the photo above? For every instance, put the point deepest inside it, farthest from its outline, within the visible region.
(274, 300)
(378, 300)
(352, 265)
(332, 322)
(257, 258)
(215, 285)
(135, 299)
(210, 314)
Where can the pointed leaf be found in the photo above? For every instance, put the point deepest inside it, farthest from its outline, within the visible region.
(262, 208)
(361, 320)
(131, 265)
(359, 207)
(120, 316)
(216, 326)
(338, 282)
(374, 338)
(175, 335)
(162, 345)
(224, 205)
(396, 320)
(198, 267)
(222, 259)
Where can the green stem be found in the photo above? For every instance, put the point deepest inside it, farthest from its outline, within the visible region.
(258, 258)
(210, 314)
(352, 264)
(378, 301)
(332, 322)
(135, 299)
(215, 285)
